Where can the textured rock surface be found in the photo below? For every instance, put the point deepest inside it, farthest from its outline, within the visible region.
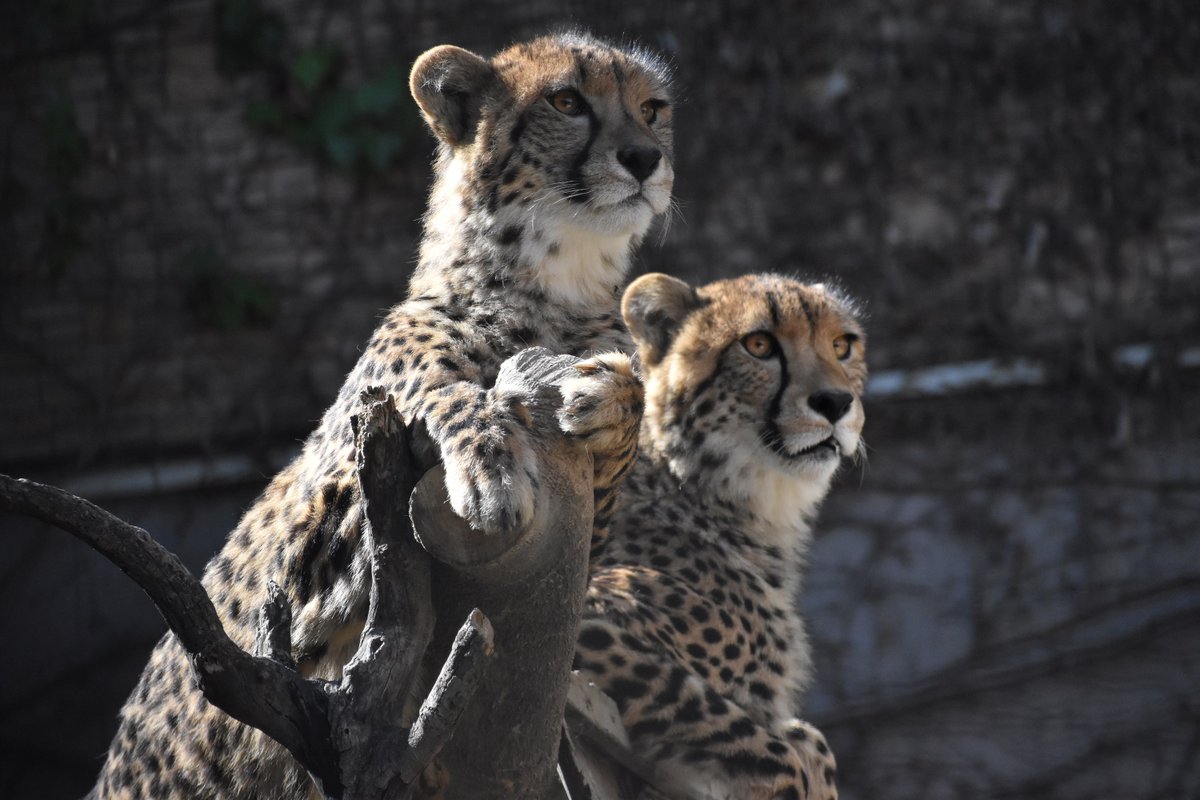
(1010, 614)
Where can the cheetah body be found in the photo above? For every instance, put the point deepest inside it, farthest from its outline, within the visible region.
(533, 216)
(691, 623)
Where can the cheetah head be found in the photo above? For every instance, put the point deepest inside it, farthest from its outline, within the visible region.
(753, 386)
(565, 127)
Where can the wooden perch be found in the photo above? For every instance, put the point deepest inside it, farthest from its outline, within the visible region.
(346, 733)
(258, 691)
(532, 584)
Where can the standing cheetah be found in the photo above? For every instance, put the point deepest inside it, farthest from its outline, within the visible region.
(554, 157)
(690, 625)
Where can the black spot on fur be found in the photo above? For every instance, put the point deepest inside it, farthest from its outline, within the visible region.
(691, 711)
(622, 690)
(510, 235)
(595, 639)
(518, 130)
(760, 689)
(337, 503)
(646, 671)
(649, 727)
(339, 554)
(670, 693)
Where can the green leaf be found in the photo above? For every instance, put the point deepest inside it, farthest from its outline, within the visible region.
(248, 37)
(266, 115)
(382, 94)
(313, 68)
(382, 148)
(333, 115)
(220, 297)
(342, 150)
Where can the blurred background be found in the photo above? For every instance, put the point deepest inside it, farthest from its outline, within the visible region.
(206, 204)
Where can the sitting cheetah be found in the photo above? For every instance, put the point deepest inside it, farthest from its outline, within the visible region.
(554, 157)
(752, 398)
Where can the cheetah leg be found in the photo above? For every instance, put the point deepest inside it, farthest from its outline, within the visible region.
(810, 744)
(490, 462)
(704, 745)
(602, 405)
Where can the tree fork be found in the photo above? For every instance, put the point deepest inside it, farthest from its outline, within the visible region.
(345, 733)
(348, 733)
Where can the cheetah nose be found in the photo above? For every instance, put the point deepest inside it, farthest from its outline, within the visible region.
(639, 160)
(830, 404)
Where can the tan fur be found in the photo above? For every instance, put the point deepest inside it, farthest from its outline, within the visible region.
(691, 622)
(527, 203)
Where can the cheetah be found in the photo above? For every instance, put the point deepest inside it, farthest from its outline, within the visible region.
(752, 394)
(554, 157)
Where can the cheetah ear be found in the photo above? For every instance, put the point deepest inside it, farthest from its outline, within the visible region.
(449, 85)
(654, 308)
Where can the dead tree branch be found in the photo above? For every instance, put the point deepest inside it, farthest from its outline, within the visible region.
(349, 734)
(532, 584)
(346, 734)
(258, 691)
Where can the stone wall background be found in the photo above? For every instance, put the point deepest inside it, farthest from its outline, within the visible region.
(1004, 603)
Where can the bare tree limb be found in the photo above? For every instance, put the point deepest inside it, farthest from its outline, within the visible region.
(448, 699)
(273, 636)
(258, 691)
(350, 734)
(532, 585)
(346, 734)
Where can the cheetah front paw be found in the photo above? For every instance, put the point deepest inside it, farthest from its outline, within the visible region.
(491, 497)
(490, 479)
(602, 404)
(809, 743)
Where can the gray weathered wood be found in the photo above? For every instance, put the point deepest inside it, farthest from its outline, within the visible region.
(532, 587)
(495, 732)
(347, 733)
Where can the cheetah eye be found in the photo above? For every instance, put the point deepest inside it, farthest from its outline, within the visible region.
(759, 344)
(650, 111)
(567, 101)
(843, 346)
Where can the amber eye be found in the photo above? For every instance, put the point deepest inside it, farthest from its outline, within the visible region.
(650, 111)
(759, 344)
(567, 101)
(843, 346)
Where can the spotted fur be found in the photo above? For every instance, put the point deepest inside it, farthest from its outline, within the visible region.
(691, 623)
(533, 216)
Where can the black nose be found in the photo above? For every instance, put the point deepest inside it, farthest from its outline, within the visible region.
(830, 405)
(640, 161)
